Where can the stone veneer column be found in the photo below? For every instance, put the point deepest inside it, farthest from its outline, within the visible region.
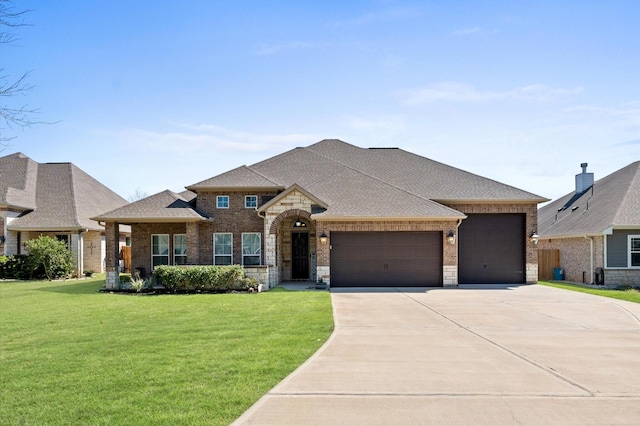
(112, 239)
(193, 253)
(531, 274)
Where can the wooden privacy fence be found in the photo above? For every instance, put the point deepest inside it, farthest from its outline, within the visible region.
(547, 260)
(125, 255)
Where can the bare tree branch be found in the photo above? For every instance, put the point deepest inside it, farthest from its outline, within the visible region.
(12, 115)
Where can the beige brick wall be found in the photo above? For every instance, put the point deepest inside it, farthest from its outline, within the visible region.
(575, 256)
(624, 277)
(92, 251)
(261, 273)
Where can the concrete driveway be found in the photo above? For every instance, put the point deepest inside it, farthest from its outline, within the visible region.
(481, 355)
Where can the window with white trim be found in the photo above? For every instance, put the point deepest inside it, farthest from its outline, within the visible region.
(159, 249)
(250, 201)
(222, 201)
(223, 249)
(179, 249)
(251, 248)
(634, 251)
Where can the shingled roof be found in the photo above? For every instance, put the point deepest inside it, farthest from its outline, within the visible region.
(54, 196)
(612, 201)
(359, 182)
(165, 206)
(18, 181)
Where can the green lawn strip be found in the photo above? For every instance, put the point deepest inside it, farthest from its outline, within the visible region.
(630, 295)
(71, 355)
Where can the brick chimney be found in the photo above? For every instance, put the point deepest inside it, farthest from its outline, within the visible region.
(584, 180)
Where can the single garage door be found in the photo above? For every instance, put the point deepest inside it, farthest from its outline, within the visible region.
(386, 259)
(492, 249)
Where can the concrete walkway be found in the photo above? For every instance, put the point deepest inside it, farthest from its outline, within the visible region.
(482, 355)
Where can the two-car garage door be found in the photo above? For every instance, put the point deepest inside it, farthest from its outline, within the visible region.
(491, 250)
(386, 259)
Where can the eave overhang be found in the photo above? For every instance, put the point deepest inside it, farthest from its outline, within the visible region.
(321, 217)
(234, 188)
(54, 228)
(131, 220)
(490, 201)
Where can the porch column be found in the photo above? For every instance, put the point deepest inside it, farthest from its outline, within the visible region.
(193, 250)
(112, 259)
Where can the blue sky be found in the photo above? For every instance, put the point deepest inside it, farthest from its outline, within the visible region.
(154, 95)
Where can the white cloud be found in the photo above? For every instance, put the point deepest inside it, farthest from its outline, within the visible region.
(387, 15)
(468, 31)
(194, 137)
(272, 49)
(451, 91)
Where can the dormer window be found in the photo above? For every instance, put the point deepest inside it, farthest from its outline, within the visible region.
(250, 201)
(222, 201)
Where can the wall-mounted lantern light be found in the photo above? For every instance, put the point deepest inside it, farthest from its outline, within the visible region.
(323, 238)
(533, 238)
(2, 239)
(451, 237)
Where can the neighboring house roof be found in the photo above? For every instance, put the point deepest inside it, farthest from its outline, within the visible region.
(358, 183)
(165, 206)
(18, 181)
(612, 201)
(54, 196)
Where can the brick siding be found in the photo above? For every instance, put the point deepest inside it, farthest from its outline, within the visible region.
(141, 241)
(575, 256)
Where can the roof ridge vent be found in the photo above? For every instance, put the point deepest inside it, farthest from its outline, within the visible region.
(384, 147)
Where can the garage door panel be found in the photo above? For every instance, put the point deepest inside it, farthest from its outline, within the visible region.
(492, 249)
(386, 259)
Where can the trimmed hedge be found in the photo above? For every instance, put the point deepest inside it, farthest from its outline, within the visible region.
(20, 267)
(216, 279)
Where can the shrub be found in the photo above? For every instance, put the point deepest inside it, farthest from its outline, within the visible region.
(204, 278)
(137, 284)
(19, 266)
(52, 255)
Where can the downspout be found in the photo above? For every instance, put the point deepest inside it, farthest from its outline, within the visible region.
(80, 259)
(590, 257)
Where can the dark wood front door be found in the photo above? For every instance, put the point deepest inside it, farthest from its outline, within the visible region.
(300, 255)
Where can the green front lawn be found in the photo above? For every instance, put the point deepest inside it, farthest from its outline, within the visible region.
(71, 355)
(630, 295)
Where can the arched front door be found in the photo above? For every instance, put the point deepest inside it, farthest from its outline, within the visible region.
(300, 255)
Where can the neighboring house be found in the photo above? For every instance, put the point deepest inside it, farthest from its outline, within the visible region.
(54, 199)
(596, 228)
(339, 213)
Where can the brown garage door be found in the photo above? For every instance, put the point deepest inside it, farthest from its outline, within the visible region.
(491, 249)
(386, 259)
